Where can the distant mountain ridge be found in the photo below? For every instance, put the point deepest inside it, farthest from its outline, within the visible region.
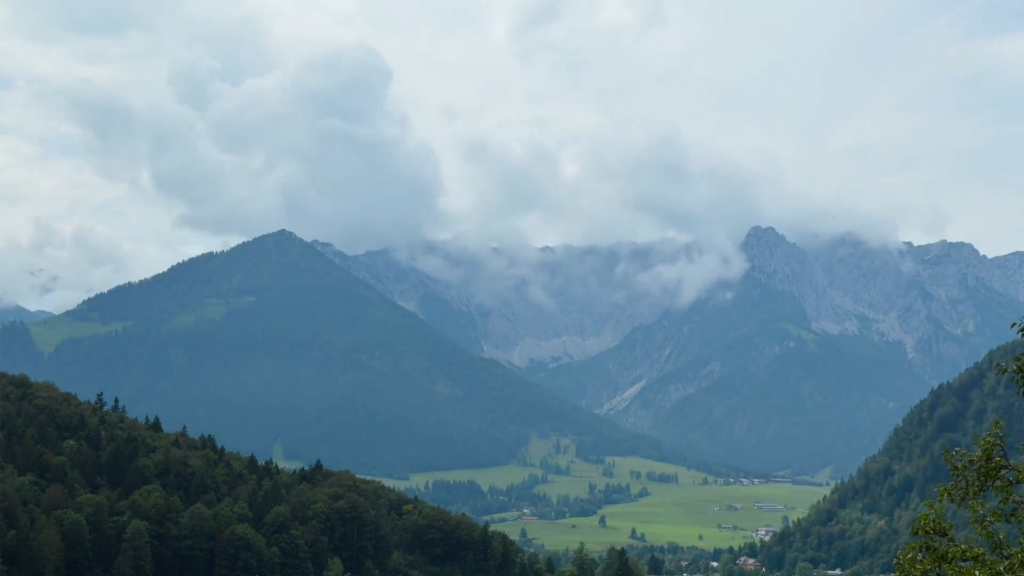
(524, 306)
(567, 303)
(945, 302)
(17, 313)
(904, 317)
(272, 340)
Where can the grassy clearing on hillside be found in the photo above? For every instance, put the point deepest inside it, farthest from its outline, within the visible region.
(678, 513)
(50, 332)
(211, 310)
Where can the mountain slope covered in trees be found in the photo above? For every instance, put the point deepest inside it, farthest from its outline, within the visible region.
(866, 519)
(273, 342)
(88, 490)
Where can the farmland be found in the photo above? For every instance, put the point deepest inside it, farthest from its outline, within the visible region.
(681, 513)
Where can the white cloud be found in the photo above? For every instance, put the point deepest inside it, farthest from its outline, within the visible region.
(133, 134)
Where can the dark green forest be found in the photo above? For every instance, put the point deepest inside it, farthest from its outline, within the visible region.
(271, 341)
(865, 521)
(86, 489)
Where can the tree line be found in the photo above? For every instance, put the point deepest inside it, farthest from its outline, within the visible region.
(467, 496)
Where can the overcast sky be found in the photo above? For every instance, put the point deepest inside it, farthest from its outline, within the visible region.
(134, 134)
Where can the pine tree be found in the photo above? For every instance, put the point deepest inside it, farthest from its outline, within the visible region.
(334, 567)
(583, 563)
(135, 558)
(655, 565)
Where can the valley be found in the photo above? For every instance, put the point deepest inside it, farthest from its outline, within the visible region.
(693, 511)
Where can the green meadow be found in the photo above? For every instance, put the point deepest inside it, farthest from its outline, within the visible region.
(50, 332)
(680, 513)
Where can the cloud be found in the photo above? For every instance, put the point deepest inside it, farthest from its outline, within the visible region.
(135, 134)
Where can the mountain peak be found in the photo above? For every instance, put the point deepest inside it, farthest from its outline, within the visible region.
(950, 249)
(278, 237)
(764, 232)
(772, 255)
(10, 312)
(759, 238)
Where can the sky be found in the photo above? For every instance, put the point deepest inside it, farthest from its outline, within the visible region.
(136, 134)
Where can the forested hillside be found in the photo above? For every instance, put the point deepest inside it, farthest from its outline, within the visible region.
(86, 489)
(273, 342)
(866, 519)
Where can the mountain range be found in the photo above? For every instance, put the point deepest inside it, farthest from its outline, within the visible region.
(796, 360)
(272, 343)
(774, 365)
(523, 306)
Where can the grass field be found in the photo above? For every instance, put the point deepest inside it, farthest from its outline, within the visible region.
(679, 513)
(50, 332)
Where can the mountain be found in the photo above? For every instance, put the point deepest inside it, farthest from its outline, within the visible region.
(88, 490)
(866, 519)
(273, 343)
(742, 377)
(18, 313)
(809, 359)
(526, 307)
(803, 360)
(537, 307)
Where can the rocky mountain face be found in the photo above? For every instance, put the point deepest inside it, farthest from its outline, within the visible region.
(531, 307)
(945, 302)
(811, 358)
(801, 358)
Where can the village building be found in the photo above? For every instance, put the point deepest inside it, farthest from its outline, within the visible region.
(749, 563)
